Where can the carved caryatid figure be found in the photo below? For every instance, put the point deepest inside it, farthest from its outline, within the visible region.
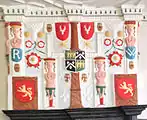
(50, 76)
(14, 45)
(16, 33)
(130, 39)
(100, 76)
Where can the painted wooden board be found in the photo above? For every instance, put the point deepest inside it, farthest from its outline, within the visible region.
(74, 47)
(25, 93)
(125, 89)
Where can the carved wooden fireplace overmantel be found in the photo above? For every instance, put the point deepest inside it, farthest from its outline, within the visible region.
(110, 113)
(40, 25)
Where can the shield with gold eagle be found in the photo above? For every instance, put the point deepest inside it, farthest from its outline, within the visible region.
(125, 85)
(74, 60)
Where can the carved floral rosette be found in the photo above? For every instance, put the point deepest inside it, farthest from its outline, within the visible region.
(50, 82)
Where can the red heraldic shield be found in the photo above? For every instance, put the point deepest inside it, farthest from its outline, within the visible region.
(62, 30)
(25, 93)
(87, 30)
(125, 89)
(25, 90)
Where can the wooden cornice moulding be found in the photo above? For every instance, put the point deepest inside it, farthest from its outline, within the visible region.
(115, 113)
(128, 12)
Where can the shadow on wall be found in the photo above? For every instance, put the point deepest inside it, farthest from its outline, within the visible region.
(3, 75)
(142, 68)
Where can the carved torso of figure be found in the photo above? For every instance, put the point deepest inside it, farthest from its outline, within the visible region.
(49, 75)
(100, 74)
(16, 41)
(130, 40)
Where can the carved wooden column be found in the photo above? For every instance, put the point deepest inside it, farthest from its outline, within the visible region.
(75, 95)
(74, 36)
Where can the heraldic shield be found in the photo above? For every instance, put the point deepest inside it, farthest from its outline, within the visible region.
(74, 60)
(125, 85)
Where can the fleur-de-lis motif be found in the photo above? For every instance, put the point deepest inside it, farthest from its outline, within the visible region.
(87, 29)
(26, 91)
(127, 87)
(62, 30)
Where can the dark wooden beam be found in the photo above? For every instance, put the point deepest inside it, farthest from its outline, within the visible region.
(110, 113)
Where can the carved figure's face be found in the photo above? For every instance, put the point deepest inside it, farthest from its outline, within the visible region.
(49, 28)
(99, 27)
(100, 64)
(130, 30)
(16, 31)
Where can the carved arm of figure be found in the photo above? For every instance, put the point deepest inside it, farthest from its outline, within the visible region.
(130, 41)
(16, 43)
(130, 29)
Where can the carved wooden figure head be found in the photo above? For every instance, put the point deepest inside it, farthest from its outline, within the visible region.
(131, 65)
(130, 27)
(100, 62)
(16, 29)
(49, 28)
(99, 27)
(67, 77)
(17, 68)
(49, 64)
(84, 77)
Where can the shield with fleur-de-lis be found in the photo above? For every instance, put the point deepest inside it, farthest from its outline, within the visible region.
(74, 60)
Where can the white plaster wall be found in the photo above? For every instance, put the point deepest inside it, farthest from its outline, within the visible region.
(3, 74)
(142, 82)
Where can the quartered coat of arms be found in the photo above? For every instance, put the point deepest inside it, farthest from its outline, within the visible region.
(74, 60)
